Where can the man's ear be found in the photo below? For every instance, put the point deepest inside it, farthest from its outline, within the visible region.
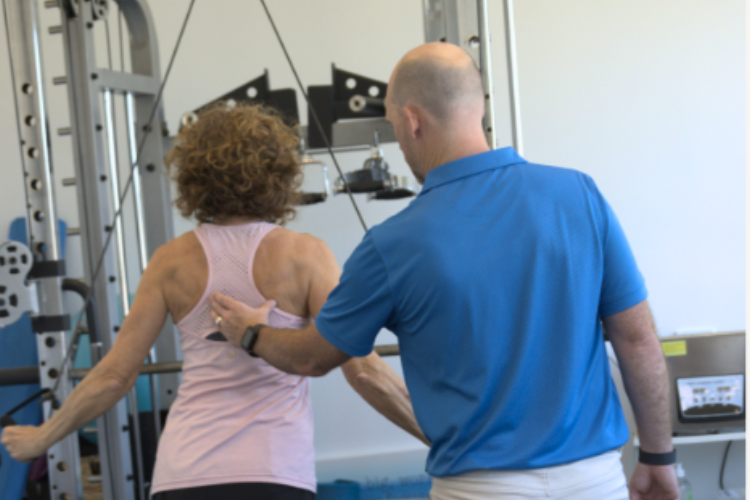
(413, 121)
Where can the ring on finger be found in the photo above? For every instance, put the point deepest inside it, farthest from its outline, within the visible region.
(218, 320)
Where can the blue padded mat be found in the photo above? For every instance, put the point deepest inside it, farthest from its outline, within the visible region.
(405, 488)
(17, 349)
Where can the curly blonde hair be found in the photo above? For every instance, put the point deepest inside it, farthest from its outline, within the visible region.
(236, 161)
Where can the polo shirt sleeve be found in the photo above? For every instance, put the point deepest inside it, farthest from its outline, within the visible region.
(623, 285)
(360, 305)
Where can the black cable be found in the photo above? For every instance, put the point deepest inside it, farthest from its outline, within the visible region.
(314, 115)
(723, 465)
(148, 128)
(6, 421)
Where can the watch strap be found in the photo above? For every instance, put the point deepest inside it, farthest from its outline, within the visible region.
(250, 338)
(657, 458)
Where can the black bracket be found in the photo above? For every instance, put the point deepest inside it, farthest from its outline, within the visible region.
(331, 103)
(42, 324)
(258, 92)
(47, 269)
(347, 85)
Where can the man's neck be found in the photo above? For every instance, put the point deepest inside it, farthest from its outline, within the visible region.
(454, 147)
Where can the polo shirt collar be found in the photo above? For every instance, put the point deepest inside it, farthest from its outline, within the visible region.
(470, 165)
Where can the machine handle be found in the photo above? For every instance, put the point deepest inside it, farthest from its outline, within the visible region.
(7, 421)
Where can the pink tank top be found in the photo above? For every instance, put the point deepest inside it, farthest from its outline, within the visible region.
(236, 419)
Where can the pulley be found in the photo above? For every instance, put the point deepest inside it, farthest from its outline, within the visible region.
(16, 297)
(375, 178)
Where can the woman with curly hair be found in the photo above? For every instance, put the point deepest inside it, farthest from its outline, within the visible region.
(239, 428)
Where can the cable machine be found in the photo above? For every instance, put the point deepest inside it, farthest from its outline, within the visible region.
(33, 279)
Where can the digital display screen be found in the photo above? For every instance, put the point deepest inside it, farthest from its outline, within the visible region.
(710, 397)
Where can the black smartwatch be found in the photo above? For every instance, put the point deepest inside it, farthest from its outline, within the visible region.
(657, 458)
(250, 338)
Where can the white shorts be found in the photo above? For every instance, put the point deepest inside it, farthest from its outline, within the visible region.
(597, 478)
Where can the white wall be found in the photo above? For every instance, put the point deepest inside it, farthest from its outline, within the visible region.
(647, 97)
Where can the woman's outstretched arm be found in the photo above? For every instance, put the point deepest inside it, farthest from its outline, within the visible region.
(110, 379)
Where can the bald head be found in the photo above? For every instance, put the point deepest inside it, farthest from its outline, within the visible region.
(440, 77)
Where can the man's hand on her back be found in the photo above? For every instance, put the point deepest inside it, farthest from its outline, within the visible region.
(654, 482)
(236, 316)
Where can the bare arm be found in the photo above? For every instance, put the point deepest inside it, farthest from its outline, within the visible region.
(307, 352)
(644, 374)
(300, 352)
(109, 380)
(377, 383)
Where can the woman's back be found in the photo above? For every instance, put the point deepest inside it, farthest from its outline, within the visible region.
(239, 428)
(236, 419)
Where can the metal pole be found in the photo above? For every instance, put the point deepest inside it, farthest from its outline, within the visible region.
(384, 350)
(165, 367)
(137, 194)
(486, 67)
(114, 173)
(26, 72)
(54, 244)
(141, 237)
(102, 424)
(515, 100)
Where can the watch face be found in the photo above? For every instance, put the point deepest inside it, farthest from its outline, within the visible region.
(247, 339)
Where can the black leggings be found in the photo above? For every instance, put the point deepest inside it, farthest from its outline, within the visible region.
(238, 491)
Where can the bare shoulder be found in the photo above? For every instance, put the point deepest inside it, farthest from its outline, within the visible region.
(301, 248)
(175, 254)
(179, 270)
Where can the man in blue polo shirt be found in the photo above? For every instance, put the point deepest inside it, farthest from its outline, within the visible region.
(496, 280)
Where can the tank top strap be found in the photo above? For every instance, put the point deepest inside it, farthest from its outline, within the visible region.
(261, 230)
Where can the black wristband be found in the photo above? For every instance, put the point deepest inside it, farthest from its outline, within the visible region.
(251, 336)
(657, 458)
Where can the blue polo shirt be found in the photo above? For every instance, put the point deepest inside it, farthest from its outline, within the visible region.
(495, 279)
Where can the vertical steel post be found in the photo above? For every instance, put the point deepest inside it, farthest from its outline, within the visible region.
(154, 182)
(515, 99)
(486, 70)
(22, 30)
(95, 216)
(137, 194)
(114, 173)
(141, 237)
(466, 23)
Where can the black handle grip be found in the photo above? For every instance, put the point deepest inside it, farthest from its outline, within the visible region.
(7, 421)
(217, 336)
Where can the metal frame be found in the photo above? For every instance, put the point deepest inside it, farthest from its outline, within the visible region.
(466, 23)
(22, 28)
(93, 130)
(510, 57)
(151, 183)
